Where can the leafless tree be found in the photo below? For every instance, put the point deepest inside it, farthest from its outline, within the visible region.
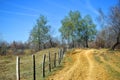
(115, 23)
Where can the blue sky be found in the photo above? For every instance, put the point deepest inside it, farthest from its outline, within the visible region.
(17, 17)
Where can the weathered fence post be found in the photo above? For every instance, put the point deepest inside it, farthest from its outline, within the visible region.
(18, 68)
(55, 60)
(43, 65)
(59, 58)
(64, 49)
(62, 53)
(49, 58)
(34, 77)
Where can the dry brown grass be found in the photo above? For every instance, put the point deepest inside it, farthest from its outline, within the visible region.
(8, 65)
(79, 64)
(89, 64)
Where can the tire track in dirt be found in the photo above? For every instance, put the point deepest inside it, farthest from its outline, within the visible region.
(83, 67)
(77, 71)
(95, 70)
(88, 55)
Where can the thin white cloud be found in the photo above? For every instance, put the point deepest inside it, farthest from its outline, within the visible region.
(91, 8)
(35, 12)
(17, 13)
(23, 7)
(27, 8)
(56, 4)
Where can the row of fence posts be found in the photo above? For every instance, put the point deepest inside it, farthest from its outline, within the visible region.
(60, 57)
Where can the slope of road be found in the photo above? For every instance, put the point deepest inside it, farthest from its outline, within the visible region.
(82, 64)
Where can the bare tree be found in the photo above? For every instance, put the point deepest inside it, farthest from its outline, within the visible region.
(115, 23)
(3, 48)
(109, 35)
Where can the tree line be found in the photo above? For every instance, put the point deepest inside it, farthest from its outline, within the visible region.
(76, 31)
(109, 35)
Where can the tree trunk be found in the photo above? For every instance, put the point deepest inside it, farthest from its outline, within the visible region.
(51, 44)
(86, 42)
(39, 45)
(73, 44)
(118, 37)
(68, 45)
(113, 47)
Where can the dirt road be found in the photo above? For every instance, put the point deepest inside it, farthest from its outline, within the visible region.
(81, 65)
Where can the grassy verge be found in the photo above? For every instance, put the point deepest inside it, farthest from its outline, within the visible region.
(67, 59)
(110, 62)
(114, 74)
(8, 65)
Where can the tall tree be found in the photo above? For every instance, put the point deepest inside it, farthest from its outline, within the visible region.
(66, 29)
(39, 33)
(110, 33)
(75, 28)
(88, 29)
(69, 24)
(101, 35)
(115, 23)
(75, 18)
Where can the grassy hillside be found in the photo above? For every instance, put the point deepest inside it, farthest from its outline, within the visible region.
(78, 64)
(8, 65)
(89, 64)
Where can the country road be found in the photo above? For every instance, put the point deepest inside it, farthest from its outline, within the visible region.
(81, 65)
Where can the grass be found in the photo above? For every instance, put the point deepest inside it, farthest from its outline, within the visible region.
(107, 64)
(110, 62)
(97, 58)
(115, 74)
(8, 65)
(62, 64)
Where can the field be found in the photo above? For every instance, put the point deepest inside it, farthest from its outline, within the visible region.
(78, 64)
(8, 65)
(89, 64)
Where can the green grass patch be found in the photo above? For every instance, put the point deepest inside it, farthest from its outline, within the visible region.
(115, 74)
(97, 59)
(105, 57)
(69, 59)
(8, 65)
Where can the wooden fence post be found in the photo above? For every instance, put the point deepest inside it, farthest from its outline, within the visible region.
(55, 60)
(62, 53)
(63, 50)
(43, 65)
(34, 75)
(49, 58)
(59, 59)
(18, 68)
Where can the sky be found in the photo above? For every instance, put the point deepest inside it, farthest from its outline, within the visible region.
(18, 17)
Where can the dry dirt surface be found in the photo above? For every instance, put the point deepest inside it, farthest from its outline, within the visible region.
(82, 65)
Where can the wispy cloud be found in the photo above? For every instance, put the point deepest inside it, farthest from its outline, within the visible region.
(91, 8)
(35, 12)
(23, 7)
(56, 4)
(17, 13)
